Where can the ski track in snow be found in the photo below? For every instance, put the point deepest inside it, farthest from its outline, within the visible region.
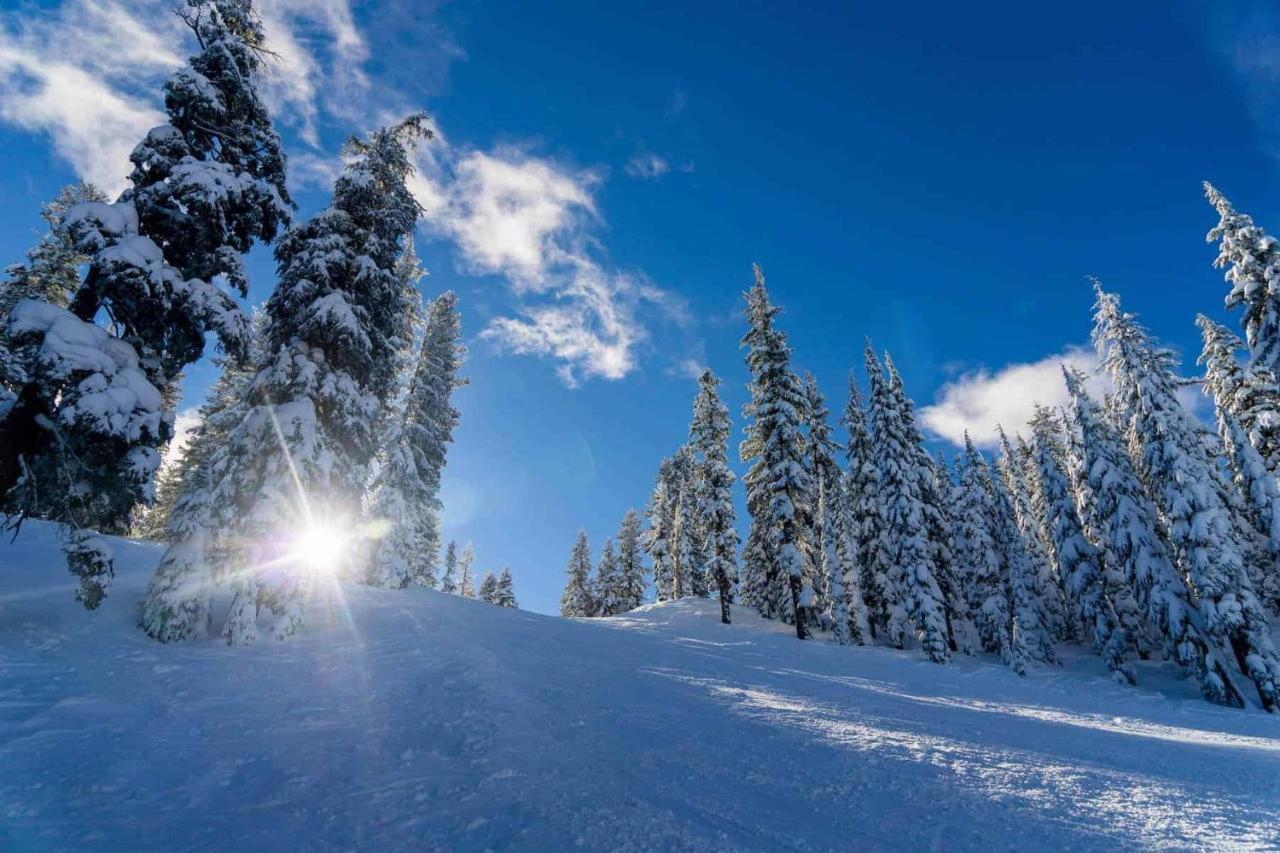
(417, 720)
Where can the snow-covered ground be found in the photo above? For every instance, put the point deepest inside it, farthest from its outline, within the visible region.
(417, 720)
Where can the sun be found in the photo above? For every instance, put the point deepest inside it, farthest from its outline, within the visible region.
(319, 549)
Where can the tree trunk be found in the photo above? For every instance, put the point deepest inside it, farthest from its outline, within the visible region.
(802, 630)
(21, 435)
(722, 580)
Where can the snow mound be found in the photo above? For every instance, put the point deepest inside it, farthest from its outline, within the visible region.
(417, 720)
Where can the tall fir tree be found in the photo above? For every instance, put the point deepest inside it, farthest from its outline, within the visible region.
(836, 605)
(449, 582)
(709, 441)
(1251, 258)
(660, 539)
(1248, 394)
(299, 460)
(979, 565)
(577, 599)
(1129, 539)
(915, 601)
(631, 569)
(777, 482)
(606, 585)
(688, 572)
(406, 492)
(205, 186)
(876, 546)
(1209, 540)
(488, 589)
(1077, 561)
(861, 521)
(505, 593)
(466, 579)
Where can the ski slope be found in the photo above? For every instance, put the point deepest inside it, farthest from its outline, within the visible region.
(417, 720)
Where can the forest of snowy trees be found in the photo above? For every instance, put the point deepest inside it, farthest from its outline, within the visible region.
(1123, 524)
(323, 442)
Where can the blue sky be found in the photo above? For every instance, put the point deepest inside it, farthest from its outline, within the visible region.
(938, 178)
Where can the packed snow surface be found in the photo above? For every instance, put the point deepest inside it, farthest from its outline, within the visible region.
(418, 720)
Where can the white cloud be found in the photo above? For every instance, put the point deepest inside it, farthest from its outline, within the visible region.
(529, 220)
(183, 423)
(647, 166)
(89, 73)
(980, 400)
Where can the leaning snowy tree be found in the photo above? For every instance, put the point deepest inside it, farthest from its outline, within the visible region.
(1210, 542)
(577, 598)
(709, 440)
(1129, 539)
(465, 579)
(1248, 394)
(777, 482)
(1252, 260)
(205, 186)
(914, 597)
(406, 493)
(631, 570)
(295, 467)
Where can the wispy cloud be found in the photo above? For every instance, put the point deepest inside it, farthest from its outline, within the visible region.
(647, 166)
(1248, 39)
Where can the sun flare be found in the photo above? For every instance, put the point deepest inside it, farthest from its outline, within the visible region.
(319, 549)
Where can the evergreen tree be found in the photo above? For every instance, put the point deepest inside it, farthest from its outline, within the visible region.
(687, 566)
(1129, 540)
(660, 538)
(777, 482)
(449, 583)
(577, 599)
(979, 563)
(1029, 636)
(1078, 563)
(876, 552)
(505, 594)
(465, 562)
(861, 521)
(205, 186)
(607, 582)
(1045, 590)
(299, 459)
(51, 272)
(631, 570)
(489, 589)
(1252, 260)
(406, 492)
(914, 599)
(1249, 395)
(1207, 539)
(709, 440)
(836, 605)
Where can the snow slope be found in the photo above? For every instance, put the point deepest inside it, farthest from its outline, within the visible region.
(417, 720)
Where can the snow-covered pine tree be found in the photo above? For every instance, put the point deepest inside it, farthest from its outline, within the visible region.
(606, 584)
(631, 570)
(960, 628)
(709, 441)
(860, 529)
(488, 589)
(1209, 541)
(577, 599)
(1078, 563)
(979, 564)
(505, 594)
(1029, 636)
(777, 483)
(1250, 394)
(204, 188)
(298, 461)
(406, 491)
(688, 570)
(1129, 540)
(449, 583)
(835, 605)
(1252, 260)
(51, 271)
(877, 554)
(914, 598)
(660, 538)
(465, 578)
(1045, 589)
